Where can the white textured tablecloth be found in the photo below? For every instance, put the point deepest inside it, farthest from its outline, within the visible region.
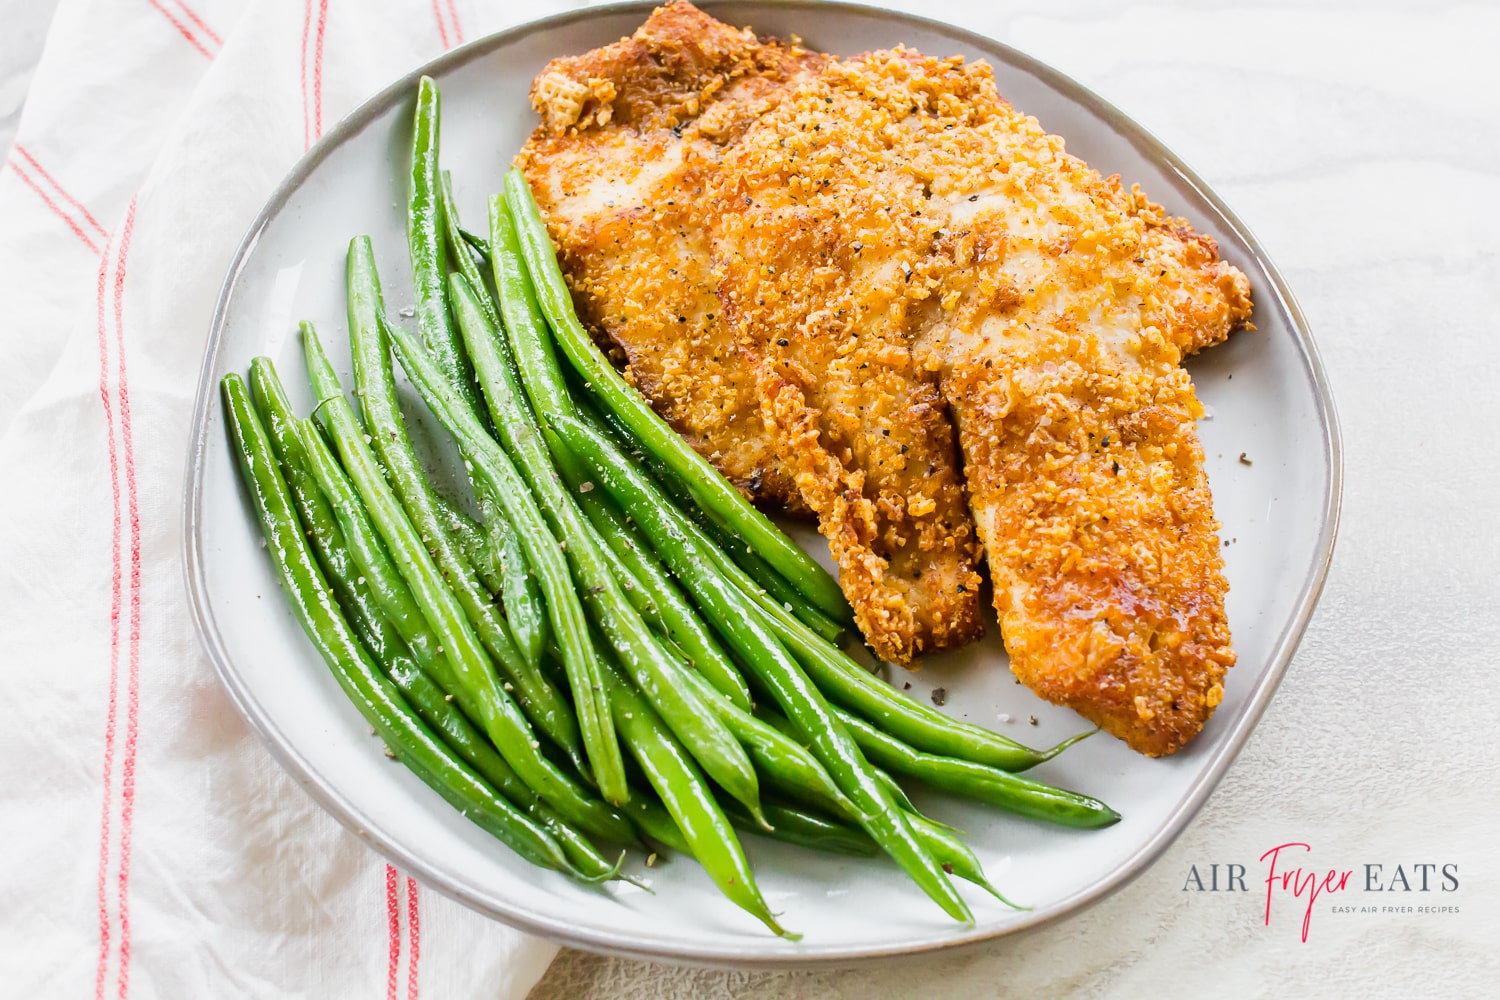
(153, 847)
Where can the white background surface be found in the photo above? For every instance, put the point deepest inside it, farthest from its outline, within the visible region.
(1360, 141)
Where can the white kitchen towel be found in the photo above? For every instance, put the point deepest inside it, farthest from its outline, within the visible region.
(151, 846)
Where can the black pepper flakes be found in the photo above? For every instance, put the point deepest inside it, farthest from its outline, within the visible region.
(939, 696)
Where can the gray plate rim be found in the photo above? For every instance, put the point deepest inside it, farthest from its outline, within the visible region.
(755, 953)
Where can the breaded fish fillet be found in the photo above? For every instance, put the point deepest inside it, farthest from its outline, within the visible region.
(865, 258)
(1055, 308)
(618, 165)
(816, 276)
(632, 135)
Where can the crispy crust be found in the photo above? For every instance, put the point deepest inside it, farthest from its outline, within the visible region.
(628, 134)
(1063, 308)
(895, 250)
(816, 277)
(897, 200)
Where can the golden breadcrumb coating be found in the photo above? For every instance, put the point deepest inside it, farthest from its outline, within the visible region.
(618, 166)
(891, 254)
(816, 278)
(1055, 308)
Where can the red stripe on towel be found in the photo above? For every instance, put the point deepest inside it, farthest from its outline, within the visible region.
(318, 70)
(458, 31)
(133, 699)
(207, 31)
(182, 29)
(414, 938)
(393, 921)
(114, 635)
(41, 172)
(306, 118)
(54, 206)
(437, 13)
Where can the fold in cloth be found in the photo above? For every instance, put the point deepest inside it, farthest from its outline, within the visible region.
(155, 849)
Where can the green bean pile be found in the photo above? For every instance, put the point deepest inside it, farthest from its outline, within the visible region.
(620, 651)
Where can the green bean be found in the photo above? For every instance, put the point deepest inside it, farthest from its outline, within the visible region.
(525, 609)
(325, 501)
(372, 694)
(495, 472)
(789, 764)
(796, 780)
(313, 471)
(675, 777)
(853, 687)
(468, 535)
(749, 572)
(386, 647)
(426, 238)
(756, 578)
(654, 672)
(976, 781)
(791, 770)
(711, 489)
(275, 412)
(569, 623)
(520, 594)
(494, 550)
(925, 728)
(525, 326)
(439, 710)
(790, 767)
(372, 560)
(653, 594)
(820, 833)
(462, 254)
(804, 829)
(897, 793)
(448, 721)
(655, 823)
(953, 854)
(997, 787)
(477, 243)
(497, 713)
(734, 569)
(375, 385)
(732, 613)
(377, 577)
(542, 379)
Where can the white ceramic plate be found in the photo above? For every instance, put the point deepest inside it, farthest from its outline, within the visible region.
(1265, 389)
